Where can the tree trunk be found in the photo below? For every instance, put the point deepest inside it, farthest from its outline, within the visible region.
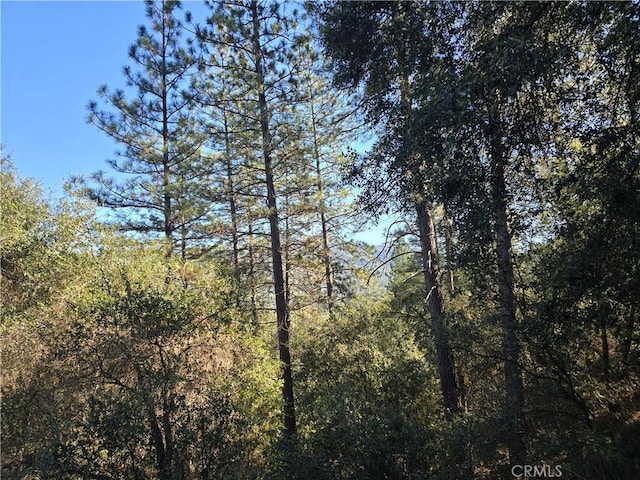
(232, 204)
(514, 408)
(287, 252)
(168, 438)
(282, 310)
(435, 301)
(164, 470)
(448, 242)
(428, 248)
(166, 166)
(326, 253)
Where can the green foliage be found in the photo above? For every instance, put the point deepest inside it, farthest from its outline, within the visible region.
(366, 399)
(38, 244)
(132, 373)
(542, 97)
(119, 362)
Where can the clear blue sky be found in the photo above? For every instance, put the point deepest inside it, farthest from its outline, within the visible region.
(54, 56)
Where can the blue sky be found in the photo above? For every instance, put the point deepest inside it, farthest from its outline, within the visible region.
(54, 56)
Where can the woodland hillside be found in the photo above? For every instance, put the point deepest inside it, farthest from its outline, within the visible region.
(201, 310)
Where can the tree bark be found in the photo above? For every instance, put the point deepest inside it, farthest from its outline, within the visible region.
(514, 407)
(282, 310)
(287, 252)
(435, 302)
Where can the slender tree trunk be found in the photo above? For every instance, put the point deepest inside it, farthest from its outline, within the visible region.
(328, 270)
(166, 165)
(286, 249)
(429, 251)
(435, 301)
(514, 407)
(157, 438)
(168, 438)
(232, 204)
(448, 241)
(326, 252)
(282, 310)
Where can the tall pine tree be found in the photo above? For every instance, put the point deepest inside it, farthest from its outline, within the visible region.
(161, 172)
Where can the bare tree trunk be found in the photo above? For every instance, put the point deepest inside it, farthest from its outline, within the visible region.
(282, 310)
(435, 301)
(168, 437)
(429, 251)
(286, 248)
(514, 408)
(157, 437)
(166, 165)
(448, 240)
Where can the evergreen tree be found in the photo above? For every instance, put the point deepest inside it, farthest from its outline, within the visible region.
(260, 38)
(162, 146)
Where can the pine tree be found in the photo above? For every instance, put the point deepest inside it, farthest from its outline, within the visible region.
(162, 146)
(260, 38)
(331, 121)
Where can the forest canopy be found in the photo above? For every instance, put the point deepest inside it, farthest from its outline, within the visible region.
(201, 309)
